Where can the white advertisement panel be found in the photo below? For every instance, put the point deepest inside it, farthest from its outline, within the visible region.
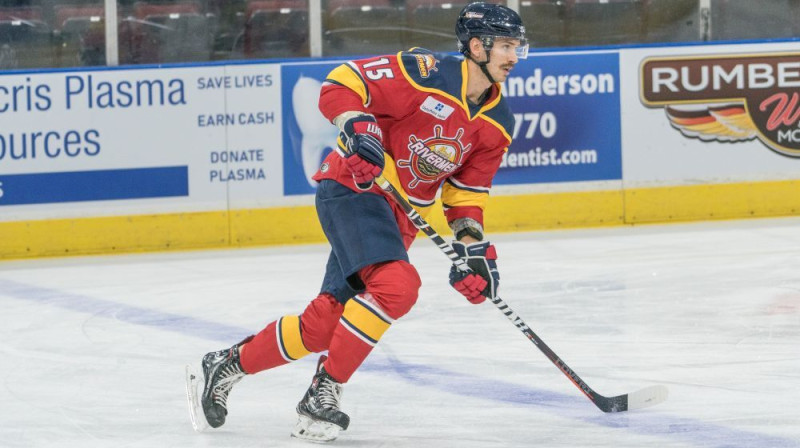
(710, 114)
(252, 166)
(137, 141)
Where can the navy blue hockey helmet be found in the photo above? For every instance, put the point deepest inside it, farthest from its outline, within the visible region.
(487, 21)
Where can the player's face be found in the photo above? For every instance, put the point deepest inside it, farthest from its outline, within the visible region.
(503, 57)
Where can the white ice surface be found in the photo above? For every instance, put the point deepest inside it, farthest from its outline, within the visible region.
(92, 350)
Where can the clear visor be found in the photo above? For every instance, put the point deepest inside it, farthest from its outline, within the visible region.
(522, 49)
(507, 45)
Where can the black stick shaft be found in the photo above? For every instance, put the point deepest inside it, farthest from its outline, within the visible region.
(460, 264)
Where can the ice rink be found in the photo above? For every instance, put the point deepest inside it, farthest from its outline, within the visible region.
(93, 348)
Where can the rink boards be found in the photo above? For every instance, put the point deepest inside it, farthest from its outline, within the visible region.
(197, 156)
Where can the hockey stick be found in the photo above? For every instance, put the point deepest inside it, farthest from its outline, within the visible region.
(649, 396)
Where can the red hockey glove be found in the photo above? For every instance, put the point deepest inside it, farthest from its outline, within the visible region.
(484, 279)
(364, 141)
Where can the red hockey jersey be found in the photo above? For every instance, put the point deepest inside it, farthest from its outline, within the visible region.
(432, 135)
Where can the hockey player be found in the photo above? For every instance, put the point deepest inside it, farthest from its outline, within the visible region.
(424, 121)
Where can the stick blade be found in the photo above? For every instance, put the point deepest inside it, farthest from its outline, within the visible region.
(649, 396)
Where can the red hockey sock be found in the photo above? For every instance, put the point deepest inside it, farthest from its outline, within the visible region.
(319, 320)
(263, 351)
(292, 337)
(361, 326)
(392, 290)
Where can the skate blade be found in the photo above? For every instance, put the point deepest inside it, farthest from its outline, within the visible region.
(194, 381)
(314, 430)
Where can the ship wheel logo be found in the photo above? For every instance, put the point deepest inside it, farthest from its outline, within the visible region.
(432, 157)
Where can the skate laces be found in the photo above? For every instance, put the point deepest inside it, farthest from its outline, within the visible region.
(228, 377)
(330, 392)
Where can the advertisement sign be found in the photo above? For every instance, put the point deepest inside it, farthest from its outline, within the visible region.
(567, 119)
(146, 139)
(711, 114)
(736, 97)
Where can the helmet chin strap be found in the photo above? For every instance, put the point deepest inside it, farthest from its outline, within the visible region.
(483, 64)
(485, 70)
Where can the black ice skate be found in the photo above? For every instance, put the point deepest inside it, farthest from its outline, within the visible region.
(319, 417)
(221, 370)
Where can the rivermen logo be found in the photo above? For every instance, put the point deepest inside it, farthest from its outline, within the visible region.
(731, 98)
(433, 157)
(426, 64)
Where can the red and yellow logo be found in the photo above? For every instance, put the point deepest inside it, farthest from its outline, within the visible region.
(729, 98)
(432, 158)
(426, 64)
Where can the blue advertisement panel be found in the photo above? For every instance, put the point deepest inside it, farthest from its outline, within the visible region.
(567, 110)
(307, 135)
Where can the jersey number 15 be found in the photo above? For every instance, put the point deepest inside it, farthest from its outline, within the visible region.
(377, 72)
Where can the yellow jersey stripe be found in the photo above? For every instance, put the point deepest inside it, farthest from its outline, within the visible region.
(346, 76)
(453, 196)
(499, 128)
(490, 104)
(485, 107)
(464, 76)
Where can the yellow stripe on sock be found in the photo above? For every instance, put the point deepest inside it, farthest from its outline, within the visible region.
(291, 339)
(365, 320)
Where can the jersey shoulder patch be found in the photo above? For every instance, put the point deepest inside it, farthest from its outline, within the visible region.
(433, 70)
